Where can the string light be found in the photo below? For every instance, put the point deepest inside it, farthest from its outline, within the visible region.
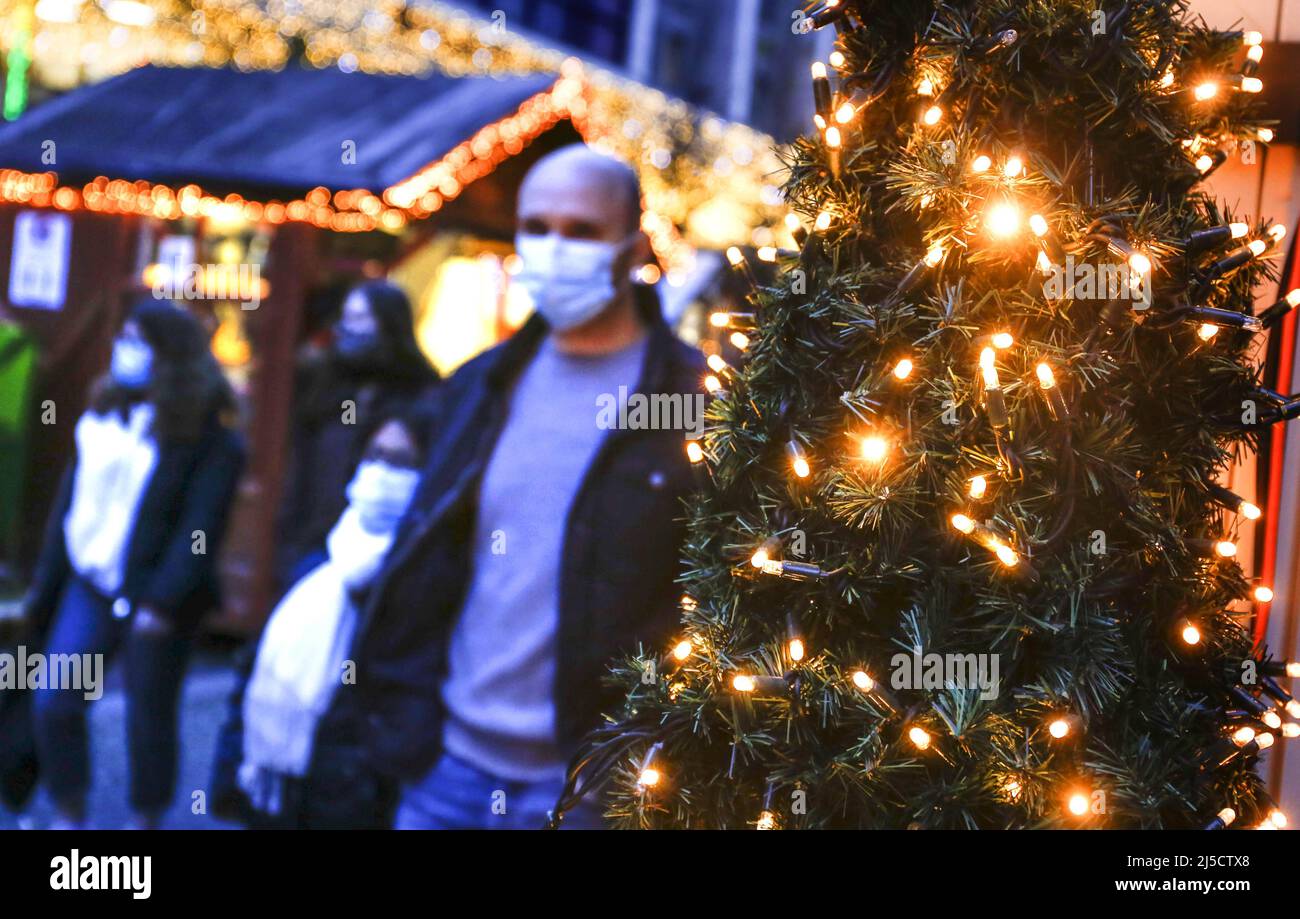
(1059, 728)
(1189, 633)
(1013, 167)
(682, 649)
(925, 87)
(694, 452)
(1263, 594)
(798, 459)
(903, 369)
(863, 680)
(981, 164)
(763, 554)
(1223, 819)
(920, 738)
(875, 448)
(766, 821)
(1003, 219)
(978, 487)
(932, 115)
(822, 222)
(1078, 803)
(1003, 340)
(1206, 91)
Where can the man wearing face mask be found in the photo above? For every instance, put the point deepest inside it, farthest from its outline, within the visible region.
(539, 546)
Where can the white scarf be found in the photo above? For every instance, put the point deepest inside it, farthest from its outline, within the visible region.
(115, 461)
(300, 661)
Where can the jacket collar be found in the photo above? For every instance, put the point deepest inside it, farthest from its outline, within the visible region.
(663, 364)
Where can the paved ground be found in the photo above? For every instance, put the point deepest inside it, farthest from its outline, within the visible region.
(210, 680)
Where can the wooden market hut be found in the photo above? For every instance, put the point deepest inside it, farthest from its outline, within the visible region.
(313, 175)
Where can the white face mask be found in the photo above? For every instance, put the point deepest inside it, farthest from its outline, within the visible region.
(570, 281)
(380, 494)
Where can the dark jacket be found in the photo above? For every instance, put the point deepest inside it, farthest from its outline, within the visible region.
(191, 489)
(621, 558)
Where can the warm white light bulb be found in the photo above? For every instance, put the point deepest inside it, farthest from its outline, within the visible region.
(1046, 379)
(932, 115)
(962, 523)
(1225, 548)
(1013, 167)
(1264, 594)
(1250, 511)
(979, 486)
(742, 683)
(1059, 728)
(925, 87)
(844, 114)
(1252, 85)
(694, 452)
(818, 70)
(980, 164)
(934, 255)
(1007, 555)
(1003, 340)
(919, 737)
(1207, 90)
(903, 369)
(823, 221)
(874, 448)
(1257, 247)
(801, 467)
(863, 680)
(682, 649)
(1003, 219)
(1078, 804)
(1038, 223)
(989, 369)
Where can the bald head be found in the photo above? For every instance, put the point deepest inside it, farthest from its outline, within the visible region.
(582, 194)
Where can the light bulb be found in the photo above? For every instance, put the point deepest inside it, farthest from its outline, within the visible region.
(1291, 730)
(1257, 247)
(962, 523)
(760, 557)
(1013, 167)
(818, 70)
(682, 649)
(1277, 818)
(1271, 719)
(1266, 135)
(978, 486)
(1238, 230)
(742, 683)
(1190, 633)
(1003, 340)
(649, 777)
(833, 139)
(932, 115)
(767, 253)
(1250, 511)
(1207, 90)
(1252, 38)
(740, 340)
(1264, 740)
(1293, 708)
(1204, 162)
(1078, 804)
(1225, 549)
(903, 369)
(1264, 594)
(712, 383)
(925, 87)
(1252, 85)
(766, 821)
(836, 59)
(1003, 219)
(823, 221)
(1012, 788)
(796, 649)
(1059, 728)
(735, 256)
(1207, 331)
(1046, 379)
(1243, 735)
(844, 114)
(1167, 79)
(934, 255)
(863, 680)
(716, 363)
(1227, 815)
(874, 448)
(1278, 232)
(719, 320)
(1293, 669)
(980, 164)
(1139, 263)
(801, 467)
(694, 452)
(1038, 223)
(989, 369)
(919, 737)
(1007, 555)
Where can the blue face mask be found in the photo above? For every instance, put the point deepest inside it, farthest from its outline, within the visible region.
(132, 363)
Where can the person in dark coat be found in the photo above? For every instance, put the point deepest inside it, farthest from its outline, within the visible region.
(544, 538)
(373, 368)
(274, 769)
(128, 562)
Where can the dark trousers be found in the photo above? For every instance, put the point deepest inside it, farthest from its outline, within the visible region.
(155, 665)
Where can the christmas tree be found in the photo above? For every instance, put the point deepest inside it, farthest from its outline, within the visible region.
(960, 559)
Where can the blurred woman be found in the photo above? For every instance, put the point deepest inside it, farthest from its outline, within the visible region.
(129, 554)
(374, 368)
(290, 772)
